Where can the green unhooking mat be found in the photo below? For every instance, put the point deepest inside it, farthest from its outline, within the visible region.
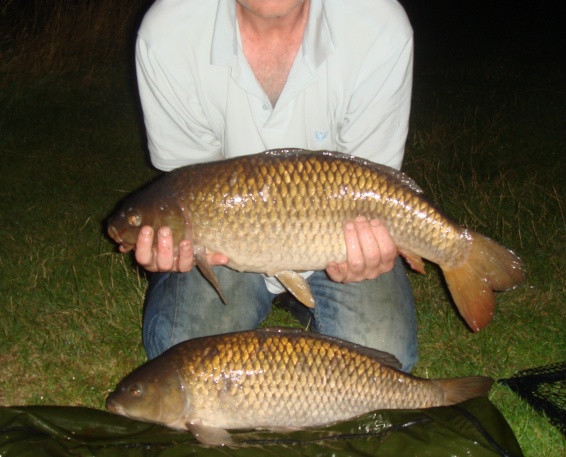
(474, 428)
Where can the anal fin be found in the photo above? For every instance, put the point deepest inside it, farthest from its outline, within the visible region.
(297, 285)
(415, 261)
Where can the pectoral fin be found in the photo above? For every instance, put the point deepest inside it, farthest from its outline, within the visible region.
(212, 436)
(206, 270)
(297, 285)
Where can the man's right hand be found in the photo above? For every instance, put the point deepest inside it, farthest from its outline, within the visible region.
(163, 257)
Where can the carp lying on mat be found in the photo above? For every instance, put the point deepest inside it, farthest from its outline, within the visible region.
(275, 378)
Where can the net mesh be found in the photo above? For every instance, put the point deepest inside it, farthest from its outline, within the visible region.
(544, 388)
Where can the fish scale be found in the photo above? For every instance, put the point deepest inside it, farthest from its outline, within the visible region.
(302, 205)
(283, 211)
(311, 374)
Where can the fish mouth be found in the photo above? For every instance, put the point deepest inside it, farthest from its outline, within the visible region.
(115, 235)
(113, 406)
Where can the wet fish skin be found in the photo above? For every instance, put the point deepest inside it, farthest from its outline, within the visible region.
(275, 378)
(283, 211)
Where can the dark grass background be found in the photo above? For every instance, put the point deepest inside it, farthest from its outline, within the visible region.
(487, 142)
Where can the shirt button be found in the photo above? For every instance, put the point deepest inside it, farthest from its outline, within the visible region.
(265, 107)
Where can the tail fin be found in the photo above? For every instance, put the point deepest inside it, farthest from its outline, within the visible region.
(489, 267)
(457, 390)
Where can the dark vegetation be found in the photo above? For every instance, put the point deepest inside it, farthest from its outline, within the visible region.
(487, 143)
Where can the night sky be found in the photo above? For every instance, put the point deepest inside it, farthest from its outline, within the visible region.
(460, 29)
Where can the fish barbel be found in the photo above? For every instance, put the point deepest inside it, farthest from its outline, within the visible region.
(275, 378)
(283, 211)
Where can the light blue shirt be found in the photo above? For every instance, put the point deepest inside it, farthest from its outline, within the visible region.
(349, 88)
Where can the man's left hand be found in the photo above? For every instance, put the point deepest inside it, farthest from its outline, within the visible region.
(370, 252)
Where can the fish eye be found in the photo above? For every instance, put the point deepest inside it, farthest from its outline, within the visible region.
(135, 391)
(134, 219)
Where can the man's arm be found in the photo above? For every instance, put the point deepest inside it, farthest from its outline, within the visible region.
(177, 129)
(376, 123)
(177, 135)
(376, 129)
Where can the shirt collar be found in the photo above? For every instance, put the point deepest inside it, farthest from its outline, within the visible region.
(317, 41)
(224, 45)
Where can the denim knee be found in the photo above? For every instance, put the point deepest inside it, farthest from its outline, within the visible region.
(181, 306)
(377, 313)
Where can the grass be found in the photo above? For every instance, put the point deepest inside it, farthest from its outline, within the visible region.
(487, 143)
(42, 38)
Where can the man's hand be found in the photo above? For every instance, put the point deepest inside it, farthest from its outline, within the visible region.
(370, 252)
(163, 257)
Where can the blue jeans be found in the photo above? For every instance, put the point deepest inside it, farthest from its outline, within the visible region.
(378, 313)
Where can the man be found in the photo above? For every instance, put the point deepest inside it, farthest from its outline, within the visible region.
(222, 78)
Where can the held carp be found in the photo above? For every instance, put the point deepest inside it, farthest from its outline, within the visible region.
(282, 211)
(275, 378)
